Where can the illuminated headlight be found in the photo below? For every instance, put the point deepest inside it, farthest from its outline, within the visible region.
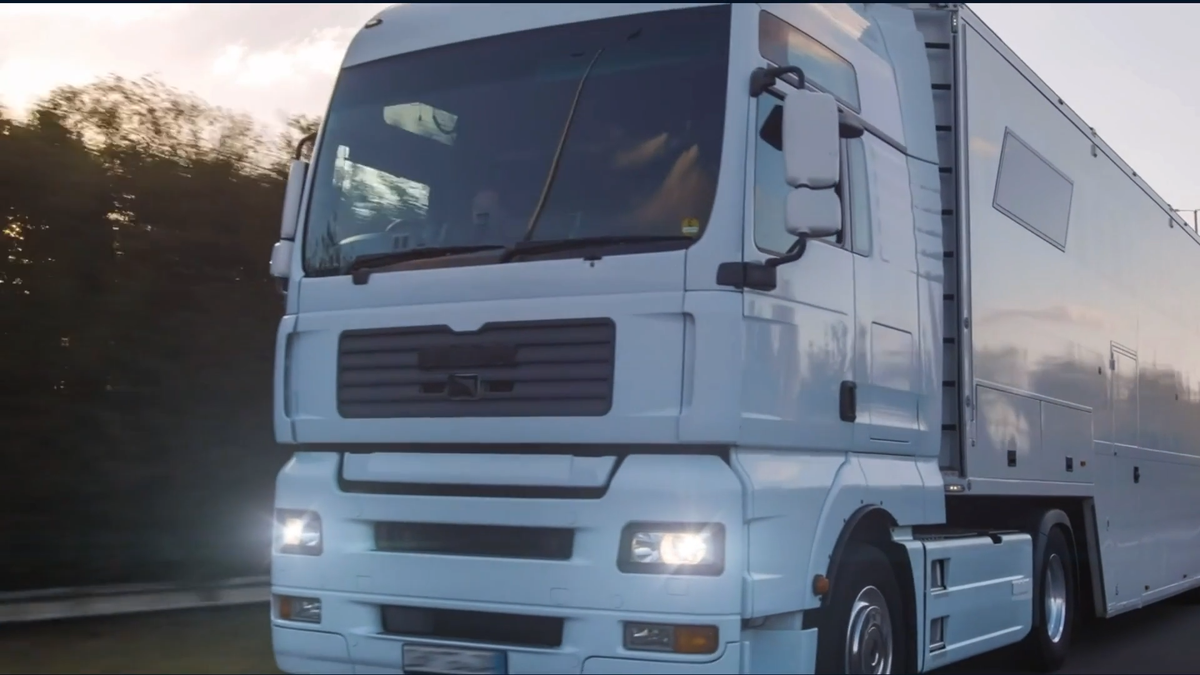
(297, 532)
(672, 548)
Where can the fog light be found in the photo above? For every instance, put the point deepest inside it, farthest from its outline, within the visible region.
(650, 637)
(305, 610)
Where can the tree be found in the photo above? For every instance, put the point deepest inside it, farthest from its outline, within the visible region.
(139, 322)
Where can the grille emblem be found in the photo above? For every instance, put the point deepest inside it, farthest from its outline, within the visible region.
(461, 387)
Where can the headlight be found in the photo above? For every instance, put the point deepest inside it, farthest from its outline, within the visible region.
(297, 532)
(672, 548)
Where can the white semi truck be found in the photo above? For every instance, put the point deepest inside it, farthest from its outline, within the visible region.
(712, 338)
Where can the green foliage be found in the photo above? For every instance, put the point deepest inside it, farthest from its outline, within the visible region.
(138, 326)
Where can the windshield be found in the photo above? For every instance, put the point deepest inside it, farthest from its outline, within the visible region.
(455, 146)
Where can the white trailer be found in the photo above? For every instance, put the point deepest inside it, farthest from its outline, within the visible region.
(1067, 321)
(711, 338)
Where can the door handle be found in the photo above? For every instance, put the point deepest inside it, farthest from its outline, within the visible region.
(848, 401)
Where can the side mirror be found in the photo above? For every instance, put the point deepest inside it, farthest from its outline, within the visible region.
(813, 213)
(291, 199)
(281, 259)
(811, 140)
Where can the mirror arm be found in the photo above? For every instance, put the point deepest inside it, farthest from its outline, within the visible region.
(298, 153)
(759, 276)
(762, 79)
(794, 252)
(848, 126)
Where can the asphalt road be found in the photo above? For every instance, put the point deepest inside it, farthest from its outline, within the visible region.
(1161, 639)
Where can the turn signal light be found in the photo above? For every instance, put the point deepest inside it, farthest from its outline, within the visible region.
(306, 610)
(648, 637)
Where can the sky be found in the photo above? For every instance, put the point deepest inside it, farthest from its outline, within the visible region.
(264, 59)
(1129, 70)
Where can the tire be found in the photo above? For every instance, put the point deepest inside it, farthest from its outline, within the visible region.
(1054, 606)
(865, 602)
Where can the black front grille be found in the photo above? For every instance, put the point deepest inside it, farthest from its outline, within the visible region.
(518, 369)
(493, 541)
(490, 627)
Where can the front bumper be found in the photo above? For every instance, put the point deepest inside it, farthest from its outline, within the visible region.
(591, 640)
(588, 592)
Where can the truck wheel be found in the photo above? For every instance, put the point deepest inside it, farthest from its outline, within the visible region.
(1054, 606)
(864, 630)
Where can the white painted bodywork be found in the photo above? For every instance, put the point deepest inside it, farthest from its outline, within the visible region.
(701, 365)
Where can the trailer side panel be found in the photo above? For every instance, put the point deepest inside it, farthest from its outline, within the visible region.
(1086, 378)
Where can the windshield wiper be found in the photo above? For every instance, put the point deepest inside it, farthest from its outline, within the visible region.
(558, 152)
(362, 266)
(555, 245)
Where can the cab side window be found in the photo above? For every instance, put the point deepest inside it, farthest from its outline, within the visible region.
(771, 190)
(855, 177)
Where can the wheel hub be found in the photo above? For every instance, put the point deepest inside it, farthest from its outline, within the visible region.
(1055, 597)
(869, 641)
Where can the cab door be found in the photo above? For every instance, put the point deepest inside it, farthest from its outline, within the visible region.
(887, 363)
(799, 336)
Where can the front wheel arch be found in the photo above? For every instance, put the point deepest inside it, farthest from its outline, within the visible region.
(865, 609)
(872, 525)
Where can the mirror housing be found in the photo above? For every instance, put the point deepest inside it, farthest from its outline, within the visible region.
(281, 259)
(813, 213)
(290, 220)
(811, 140)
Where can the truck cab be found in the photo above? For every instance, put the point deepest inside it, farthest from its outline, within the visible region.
(613, 343)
